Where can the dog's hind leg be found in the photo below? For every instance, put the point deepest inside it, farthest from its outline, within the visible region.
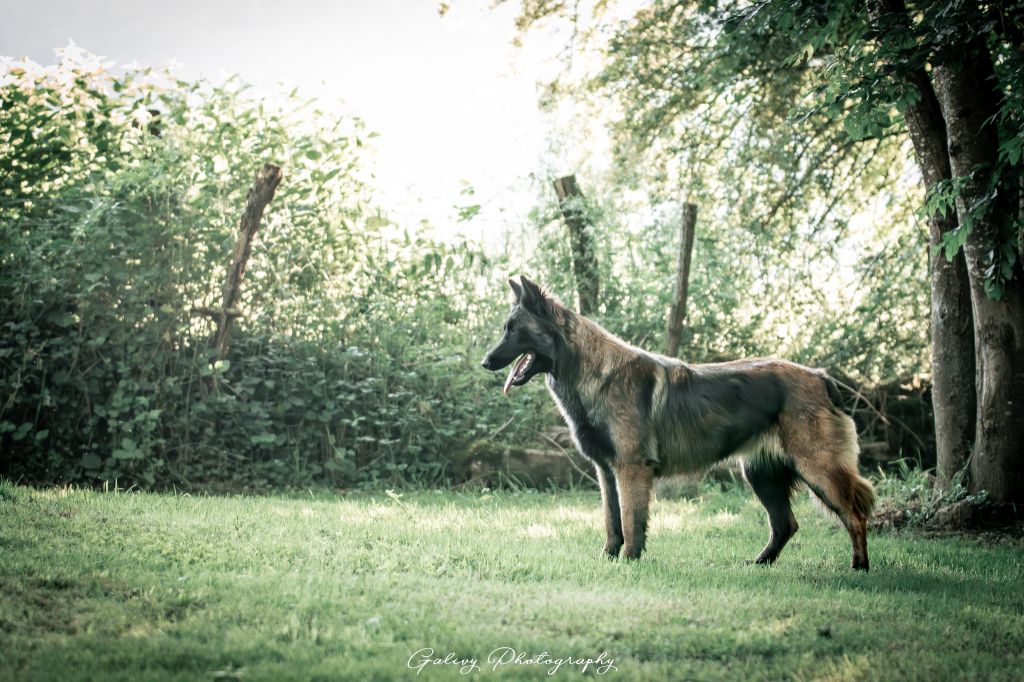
(851, 498)
(824, 452)
(773, 478)
(634, 484)
(612, 514)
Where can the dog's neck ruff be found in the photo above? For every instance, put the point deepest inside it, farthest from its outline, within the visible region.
(593, 349)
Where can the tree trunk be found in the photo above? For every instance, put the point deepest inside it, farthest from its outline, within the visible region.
(678, 313)
(954, 395)
(953, 367)
(968, 101)
(584, 258)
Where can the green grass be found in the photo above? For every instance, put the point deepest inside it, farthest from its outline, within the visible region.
(146, 586)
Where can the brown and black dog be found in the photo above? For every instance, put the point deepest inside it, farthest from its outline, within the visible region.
(637, 415)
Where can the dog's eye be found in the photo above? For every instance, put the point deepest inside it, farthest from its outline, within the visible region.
(510, 328)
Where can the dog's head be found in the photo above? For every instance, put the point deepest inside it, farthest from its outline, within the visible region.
(530, 338)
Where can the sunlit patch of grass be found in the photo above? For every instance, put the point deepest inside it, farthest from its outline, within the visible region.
(132, 586)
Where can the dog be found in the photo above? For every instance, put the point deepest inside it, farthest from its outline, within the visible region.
(637, 415)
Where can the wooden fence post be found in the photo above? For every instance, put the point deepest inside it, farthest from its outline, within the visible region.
(678, 313)
(260, 194)
(584, 259)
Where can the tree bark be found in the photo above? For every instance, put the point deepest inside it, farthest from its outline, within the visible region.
(678, 313)
(953, 366)
(965, 90)
(584, 258)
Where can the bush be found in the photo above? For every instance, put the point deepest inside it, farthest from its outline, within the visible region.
(356, 362)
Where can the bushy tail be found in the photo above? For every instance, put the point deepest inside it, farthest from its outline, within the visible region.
(862, 493)
(863, 497)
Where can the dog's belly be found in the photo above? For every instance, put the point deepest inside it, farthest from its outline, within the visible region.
(680, 453)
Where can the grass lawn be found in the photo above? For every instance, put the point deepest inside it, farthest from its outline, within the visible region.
(145, 586)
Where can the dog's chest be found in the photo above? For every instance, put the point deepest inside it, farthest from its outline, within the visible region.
(591, 436)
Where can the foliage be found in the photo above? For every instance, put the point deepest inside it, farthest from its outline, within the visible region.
(863, 79)
(772, 84)
(909, 497)
(122, 586)
(356, 362)
(804, 300)
(807, 242)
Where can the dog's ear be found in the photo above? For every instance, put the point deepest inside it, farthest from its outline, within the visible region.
(516, 289)
(531, 287)
(532, 298)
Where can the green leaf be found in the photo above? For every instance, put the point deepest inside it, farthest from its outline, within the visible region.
(62, 319)
(128, 450)
(953, 241)
(468, 212)
(994, 289)
(263, 439)
(22, 431)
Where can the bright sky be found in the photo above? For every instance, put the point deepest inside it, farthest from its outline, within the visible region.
(453, 100)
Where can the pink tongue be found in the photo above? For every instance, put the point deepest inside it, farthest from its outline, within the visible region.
(523, 359)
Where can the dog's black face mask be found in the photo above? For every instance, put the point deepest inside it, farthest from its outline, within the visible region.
(528, 343)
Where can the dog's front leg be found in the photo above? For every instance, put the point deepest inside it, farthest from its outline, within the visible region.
(634, 487)
(612, 515)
